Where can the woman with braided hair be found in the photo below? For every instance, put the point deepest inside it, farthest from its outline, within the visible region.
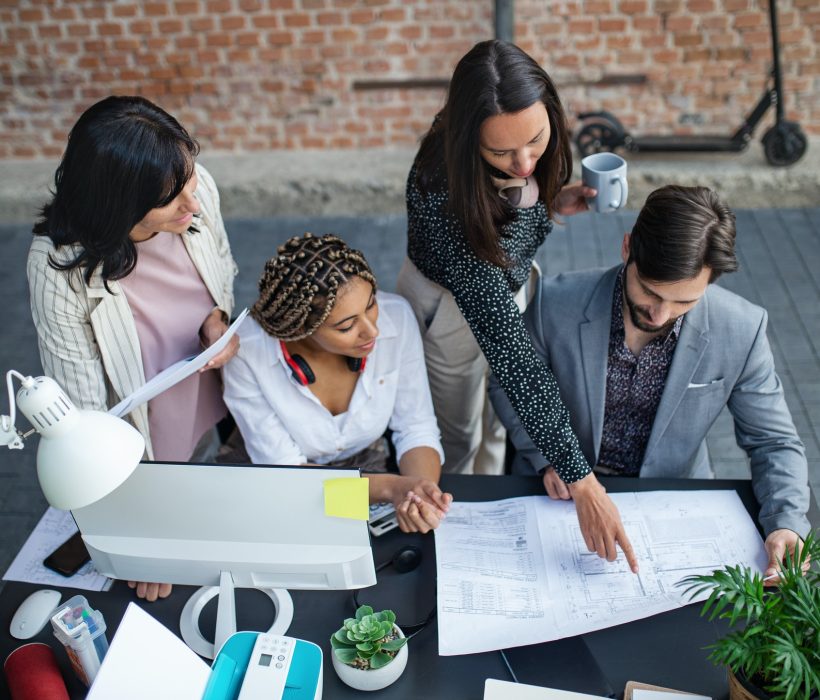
(325, 365)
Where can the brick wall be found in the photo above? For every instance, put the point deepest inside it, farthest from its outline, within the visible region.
(245, 75)
(705, 60)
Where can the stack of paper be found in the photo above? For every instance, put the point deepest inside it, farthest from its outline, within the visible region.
(147, 660)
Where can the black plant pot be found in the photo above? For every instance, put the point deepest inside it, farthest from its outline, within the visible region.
(741, 688)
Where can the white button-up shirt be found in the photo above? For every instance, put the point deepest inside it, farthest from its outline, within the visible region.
(283, 422)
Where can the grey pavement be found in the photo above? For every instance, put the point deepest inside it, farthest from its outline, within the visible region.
(779, 251)
(367, 182)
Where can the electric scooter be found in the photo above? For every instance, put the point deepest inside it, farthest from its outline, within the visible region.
(784, 143)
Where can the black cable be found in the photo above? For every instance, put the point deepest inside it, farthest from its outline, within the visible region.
(404, 560)
(409, 630)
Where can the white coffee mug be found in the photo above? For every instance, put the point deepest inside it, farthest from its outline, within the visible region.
(606, 172)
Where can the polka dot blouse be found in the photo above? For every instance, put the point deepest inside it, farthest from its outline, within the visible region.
(484, 294)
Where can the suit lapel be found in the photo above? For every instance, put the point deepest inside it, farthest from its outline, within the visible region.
(203, 249)
(115, 331)
(692, 344)
(118, 342)
(594, 336)
(199, 246)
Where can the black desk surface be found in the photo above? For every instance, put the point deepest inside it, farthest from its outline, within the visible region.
(665, 649)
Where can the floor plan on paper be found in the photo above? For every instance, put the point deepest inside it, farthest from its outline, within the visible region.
(517, 571)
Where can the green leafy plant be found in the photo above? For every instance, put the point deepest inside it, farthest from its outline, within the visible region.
(369, 640)
(778, 650)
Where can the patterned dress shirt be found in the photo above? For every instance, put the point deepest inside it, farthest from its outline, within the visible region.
(634, 386)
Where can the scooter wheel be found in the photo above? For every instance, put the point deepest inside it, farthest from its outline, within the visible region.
(784, 144)
(598, 136)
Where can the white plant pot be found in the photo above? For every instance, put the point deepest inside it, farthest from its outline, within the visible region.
(372, 679)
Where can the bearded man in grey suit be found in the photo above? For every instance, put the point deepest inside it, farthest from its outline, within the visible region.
(648, 353)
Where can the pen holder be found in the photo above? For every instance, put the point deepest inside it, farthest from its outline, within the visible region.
(81, 630)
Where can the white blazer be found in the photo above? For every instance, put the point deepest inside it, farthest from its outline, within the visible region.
(86, 334)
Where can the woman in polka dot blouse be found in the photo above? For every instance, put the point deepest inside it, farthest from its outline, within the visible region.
(489, 174)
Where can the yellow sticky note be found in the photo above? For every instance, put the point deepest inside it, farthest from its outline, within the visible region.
(347, 498)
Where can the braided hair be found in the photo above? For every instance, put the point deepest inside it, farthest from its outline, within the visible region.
(298, 289)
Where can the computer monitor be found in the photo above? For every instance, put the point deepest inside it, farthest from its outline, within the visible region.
(225, 525)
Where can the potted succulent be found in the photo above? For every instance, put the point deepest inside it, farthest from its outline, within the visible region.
(369, 651)
(777, 653)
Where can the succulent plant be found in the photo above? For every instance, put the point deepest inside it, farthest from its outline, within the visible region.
(367, 641)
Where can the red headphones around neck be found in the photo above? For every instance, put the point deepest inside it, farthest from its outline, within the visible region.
(303, 374)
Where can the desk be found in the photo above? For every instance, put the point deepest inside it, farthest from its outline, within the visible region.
(664, 649)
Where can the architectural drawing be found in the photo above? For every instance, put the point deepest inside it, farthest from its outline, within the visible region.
(518, 572)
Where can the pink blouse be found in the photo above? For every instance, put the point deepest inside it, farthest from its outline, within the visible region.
(169, 302)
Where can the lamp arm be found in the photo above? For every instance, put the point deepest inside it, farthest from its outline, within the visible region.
(9, 435)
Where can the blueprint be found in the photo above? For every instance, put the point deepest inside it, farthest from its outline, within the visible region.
(517, 571)
(490, 577)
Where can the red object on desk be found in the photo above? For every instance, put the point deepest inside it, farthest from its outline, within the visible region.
(32, 674)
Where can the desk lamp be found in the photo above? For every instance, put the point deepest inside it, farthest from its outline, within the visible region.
(82, 455)
(84, 462)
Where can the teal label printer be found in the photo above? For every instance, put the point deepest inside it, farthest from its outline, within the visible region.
(260, 666)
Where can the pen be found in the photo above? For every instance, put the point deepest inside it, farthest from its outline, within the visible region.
(87, 655)
(77, 642)
(100, 643)
(777, 574)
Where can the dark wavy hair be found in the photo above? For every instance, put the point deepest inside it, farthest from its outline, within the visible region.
(494, 77)
(681, 230)
(124, 157)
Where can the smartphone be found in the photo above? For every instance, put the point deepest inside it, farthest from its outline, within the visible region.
(382, 518)
(68, 557)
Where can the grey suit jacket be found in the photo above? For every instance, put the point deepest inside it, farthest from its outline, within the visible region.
(722, 359)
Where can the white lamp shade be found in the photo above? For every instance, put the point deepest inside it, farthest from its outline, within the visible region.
(79, 468)
(83, 455)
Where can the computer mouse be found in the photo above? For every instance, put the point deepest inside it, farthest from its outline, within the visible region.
(406, 559)
(33, 614)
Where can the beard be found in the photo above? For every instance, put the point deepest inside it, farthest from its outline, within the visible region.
(638, 317)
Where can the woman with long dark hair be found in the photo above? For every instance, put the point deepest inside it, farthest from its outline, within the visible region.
(130, 271)
(489, 176)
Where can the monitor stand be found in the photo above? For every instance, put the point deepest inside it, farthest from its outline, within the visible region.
(226, 615)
